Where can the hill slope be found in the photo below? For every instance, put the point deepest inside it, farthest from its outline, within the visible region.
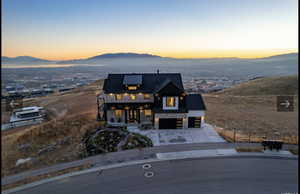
(23, 60)
(286, 85)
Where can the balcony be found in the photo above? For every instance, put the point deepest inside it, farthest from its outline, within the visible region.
(128, 98)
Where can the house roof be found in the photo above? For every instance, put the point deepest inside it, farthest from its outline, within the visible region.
(195, 102)
(151, 82)
(166, 83)
(132, 80)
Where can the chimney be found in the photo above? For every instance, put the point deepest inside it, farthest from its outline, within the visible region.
(157, 71)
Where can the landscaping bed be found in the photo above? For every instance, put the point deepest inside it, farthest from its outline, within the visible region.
(104, 140)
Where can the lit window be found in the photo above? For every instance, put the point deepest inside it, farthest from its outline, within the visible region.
(170, 102)
(146, 96)
(118, 113)
(147, 113)
(132, 87)
(119, 96)
(132, 96)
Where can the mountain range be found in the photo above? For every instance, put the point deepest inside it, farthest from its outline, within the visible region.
(277, 65)
(133, 56)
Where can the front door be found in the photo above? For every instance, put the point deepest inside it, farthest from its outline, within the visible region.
(132, 115)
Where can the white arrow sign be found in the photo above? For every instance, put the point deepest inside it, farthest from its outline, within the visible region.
(286, 104)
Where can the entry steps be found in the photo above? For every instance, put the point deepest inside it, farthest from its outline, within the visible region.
(133, 128)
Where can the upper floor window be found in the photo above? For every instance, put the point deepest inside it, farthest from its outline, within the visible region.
(146, 96)
(132, 87)
(119, 96)
(132, 96)
(170, 102)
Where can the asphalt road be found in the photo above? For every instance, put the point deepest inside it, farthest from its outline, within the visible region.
(223, 175)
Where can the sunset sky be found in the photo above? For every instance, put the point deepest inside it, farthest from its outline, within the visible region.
(68, 29)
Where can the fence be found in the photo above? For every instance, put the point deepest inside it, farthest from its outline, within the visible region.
(254, 137)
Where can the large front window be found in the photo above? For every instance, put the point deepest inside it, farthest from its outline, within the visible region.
(146, 96)
(170, 102)
(132, 87)
(119, 96)
(132, 96)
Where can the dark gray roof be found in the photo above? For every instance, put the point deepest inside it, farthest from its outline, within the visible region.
(132, 80)
(165, 83)
(150, 82)
(195, 102)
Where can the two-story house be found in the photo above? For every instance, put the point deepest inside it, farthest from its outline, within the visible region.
(155, 99)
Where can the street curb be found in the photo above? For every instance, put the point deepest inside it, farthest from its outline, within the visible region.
(95, 169)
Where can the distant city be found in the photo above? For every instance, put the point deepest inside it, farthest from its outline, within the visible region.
(29, 77)
(19, 82)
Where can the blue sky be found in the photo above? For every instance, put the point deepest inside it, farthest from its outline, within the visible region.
(63, 29)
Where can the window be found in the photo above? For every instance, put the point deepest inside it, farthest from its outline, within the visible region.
(170, 102)
(118, 113)
(119, 96)
(132, 87)
(132, 96)
(146, 96)
(147, 113)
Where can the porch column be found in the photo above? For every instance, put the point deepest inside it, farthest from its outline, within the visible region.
(138, 115)
(125, 116)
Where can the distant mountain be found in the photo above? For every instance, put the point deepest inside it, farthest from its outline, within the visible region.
(122, 55)
(111, 56)
(23, 60)
(115, 58)
(284, 56)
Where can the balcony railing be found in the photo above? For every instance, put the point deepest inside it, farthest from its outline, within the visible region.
(127, 98)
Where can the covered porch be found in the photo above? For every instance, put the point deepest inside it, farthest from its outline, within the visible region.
(129, 114)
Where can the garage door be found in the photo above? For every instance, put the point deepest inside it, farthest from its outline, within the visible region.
(170, 123)
(194, 122)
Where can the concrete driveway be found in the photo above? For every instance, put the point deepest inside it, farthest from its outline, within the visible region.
(206, 134)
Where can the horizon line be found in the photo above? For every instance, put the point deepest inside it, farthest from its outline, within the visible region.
(163, 56)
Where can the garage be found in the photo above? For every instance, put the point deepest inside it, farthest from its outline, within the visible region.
(170, 123)
(194, 122)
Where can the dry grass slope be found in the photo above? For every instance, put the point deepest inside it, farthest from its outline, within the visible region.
(287, 85)
(71, 114)
(250, 109)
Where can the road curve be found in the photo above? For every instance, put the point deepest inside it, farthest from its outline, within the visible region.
(219, 175)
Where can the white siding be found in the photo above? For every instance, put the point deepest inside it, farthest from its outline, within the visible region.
(196, 113)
